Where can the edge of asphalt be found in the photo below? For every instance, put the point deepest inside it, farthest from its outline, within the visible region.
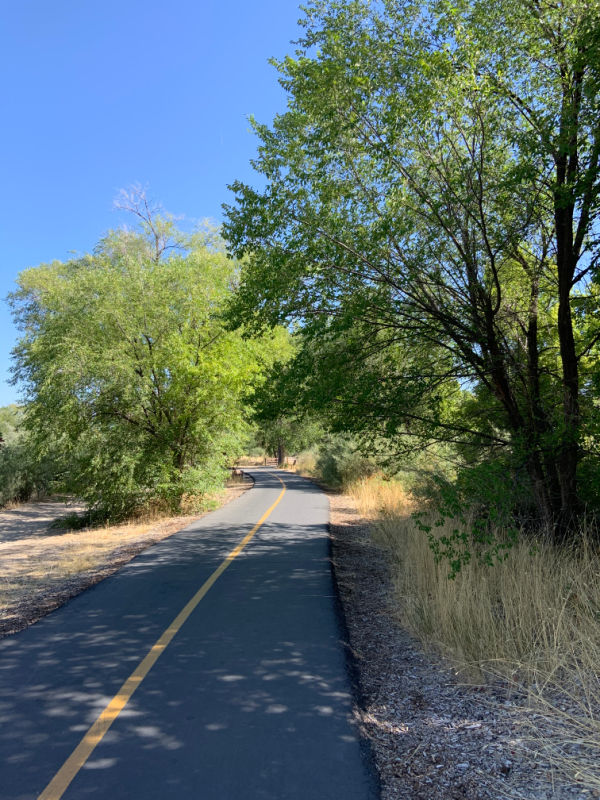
(350, 659)
(353, 673)
(72, 592)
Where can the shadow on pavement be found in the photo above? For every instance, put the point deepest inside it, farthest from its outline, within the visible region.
(251, 698)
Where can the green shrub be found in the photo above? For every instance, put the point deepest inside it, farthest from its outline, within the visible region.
(340, 462)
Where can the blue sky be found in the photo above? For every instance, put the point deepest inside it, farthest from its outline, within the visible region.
(98, 96)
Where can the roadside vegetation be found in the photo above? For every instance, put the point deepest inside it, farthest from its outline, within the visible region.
(529, 623)
(135, 390)
(22, 474)
(409, 305)
(429, 223)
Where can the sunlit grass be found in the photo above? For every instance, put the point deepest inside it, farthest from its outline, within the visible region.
(306, 464)
(40, 564)
(532, 621)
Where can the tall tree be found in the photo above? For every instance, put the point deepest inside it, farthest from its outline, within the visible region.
(126, 365)
(433, 187)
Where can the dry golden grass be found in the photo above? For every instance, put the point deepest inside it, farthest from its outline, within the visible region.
(533, 620)
(376, 498)
(38, 568)
(306, 464)
(250, 461)
(40, 572)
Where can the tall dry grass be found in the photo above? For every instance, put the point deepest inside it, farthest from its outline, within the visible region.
(306, 463)
(532, 620)
(378, 499)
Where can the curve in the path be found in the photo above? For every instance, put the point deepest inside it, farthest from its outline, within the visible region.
(251, 697)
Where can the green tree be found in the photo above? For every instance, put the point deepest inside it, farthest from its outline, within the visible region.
(432, 191)
(10, 421)
(287, 433)
(283, 424)
(128, 369)
(22, 474)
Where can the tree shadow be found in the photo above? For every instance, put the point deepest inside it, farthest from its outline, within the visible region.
(252, 697)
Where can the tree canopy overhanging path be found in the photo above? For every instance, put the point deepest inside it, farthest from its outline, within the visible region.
(250, 698)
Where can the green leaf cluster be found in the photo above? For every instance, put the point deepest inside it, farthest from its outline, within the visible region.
(430, 223)
(129, 370)
(22, 473)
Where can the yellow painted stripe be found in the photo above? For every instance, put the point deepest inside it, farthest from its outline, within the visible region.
(59, 783)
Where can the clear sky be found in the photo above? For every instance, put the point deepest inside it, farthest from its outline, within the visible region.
(98, 95)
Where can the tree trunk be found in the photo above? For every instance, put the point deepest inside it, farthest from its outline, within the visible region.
(280, 454)
(568, 455)
(541, 494)
(542, 464)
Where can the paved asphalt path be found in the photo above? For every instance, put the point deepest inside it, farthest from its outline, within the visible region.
(251, 699)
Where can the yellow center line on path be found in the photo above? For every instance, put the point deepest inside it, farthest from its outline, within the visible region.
(60, 782)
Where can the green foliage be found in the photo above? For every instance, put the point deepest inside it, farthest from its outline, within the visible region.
(282, 422)
(129, 370)
(340, 461)
(11, 418)
(293, 433)
(430, 220)
(21, 473)
(472, 517)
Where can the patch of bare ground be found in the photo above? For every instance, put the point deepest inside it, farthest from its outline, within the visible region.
(42, 567)
(433, 737)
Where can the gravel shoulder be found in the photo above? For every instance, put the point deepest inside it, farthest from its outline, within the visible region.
(433, 737)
